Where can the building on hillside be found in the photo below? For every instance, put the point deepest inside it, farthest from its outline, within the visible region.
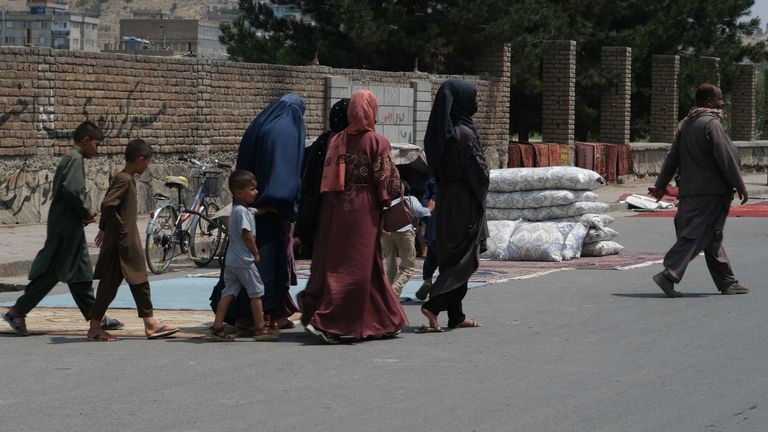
(49, 23)
(149, 14)
(226, 12)
(170, 37)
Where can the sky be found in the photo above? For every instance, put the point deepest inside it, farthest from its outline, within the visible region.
(760, 9)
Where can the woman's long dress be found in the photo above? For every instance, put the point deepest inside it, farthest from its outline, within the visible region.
(461, 226)
(348, 293)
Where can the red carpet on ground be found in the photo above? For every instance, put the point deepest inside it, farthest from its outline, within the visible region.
(750, 210)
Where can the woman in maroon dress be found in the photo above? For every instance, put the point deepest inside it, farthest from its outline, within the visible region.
(348, 295)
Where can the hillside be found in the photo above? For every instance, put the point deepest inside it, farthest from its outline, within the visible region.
(111, 11)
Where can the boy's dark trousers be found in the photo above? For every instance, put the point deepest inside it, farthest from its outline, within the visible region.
(41, 285)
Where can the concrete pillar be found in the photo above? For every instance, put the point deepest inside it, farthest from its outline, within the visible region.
(743, 103)
(665, 72)
(422, 105)
(615, 100)
(559, 97)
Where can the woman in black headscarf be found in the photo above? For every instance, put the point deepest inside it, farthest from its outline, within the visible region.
(312, 174)
(456, 160)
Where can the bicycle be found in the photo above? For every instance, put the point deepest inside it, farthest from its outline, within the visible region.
(173, 231)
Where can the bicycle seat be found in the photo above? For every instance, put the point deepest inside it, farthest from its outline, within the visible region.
(180, 182)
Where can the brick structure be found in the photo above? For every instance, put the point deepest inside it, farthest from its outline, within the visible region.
(180, 105)
(708, 70)
(616, 63)
(665, 72)
(559, 97)
(495, 64)
(743, 103)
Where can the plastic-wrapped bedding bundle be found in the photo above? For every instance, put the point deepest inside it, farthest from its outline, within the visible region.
(595, 235)
(546, 241)
(601, 248)
(558, 177)
(538, 198)
(499, 233)
(591, 220)
(546, 213)
(534, 241)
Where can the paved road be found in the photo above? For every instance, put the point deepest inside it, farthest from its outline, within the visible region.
(571, 351)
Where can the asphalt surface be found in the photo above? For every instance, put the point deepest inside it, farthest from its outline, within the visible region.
(581, 350)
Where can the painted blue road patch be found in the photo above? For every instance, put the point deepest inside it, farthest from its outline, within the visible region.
(189, 293)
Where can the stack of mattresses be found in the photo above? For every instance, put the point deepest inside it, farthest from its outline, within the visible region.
(609, 160)
(546, 214)
(529, 155)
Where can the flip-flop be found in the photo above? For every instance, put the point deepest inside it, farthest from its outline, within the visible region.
(424, 329)
(163, 331)
(19, 329)
(102, 337)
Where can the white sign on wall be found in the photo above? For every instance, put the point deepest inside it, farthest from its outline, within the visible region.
(394, 119)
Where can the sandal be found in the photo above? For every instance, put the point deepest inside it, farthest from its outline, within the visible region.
(18, 328)
(468, 323)
(265, 334)
(219, 334)
(425, 329)
(102, 336)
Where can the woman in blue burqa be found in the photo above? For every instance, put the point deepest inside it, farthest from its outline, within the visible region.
(456, 159)
(272, 148)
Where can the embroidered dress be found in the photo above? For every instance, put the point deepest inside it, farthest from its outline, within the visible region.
(348, 293)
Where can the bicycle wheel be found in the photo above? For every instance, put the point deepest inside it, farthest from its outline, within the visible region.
(204, 236)
(160, 246)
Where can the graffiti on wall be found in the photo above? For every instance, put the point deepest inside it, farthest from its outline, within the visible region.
(113, 125)
(14, 112)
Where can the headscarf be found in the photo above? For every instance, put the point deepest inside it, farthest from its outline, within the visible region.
(272, 148)
(455, 104)
(361, 114)
(337, 119)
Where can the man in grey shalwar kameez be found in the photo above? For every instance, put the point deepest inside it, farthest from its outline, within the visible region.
(708, 168)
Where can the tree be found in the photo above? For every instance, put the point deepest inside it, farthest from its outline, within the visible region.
(445, 35)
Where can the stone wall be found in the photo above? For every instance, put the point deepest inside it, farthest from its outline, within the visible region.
(647, 158)
(184, 106)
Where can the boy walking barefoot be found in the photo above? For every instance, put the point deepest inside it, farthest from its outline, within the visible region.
(64, 258)
(121, 254)
(242, 256)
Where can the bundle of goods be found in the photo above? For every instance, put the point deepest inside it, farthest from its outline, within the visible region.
(547, 214)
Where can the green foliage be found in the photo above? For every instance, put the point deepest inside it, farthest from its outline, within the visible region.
(446, 35)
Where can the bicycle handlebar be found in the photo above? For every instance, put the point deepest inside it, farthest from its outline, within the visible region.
(203, 165)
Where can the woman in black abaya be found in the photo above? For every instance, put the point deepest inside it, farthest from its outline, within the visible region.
(454, 155)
